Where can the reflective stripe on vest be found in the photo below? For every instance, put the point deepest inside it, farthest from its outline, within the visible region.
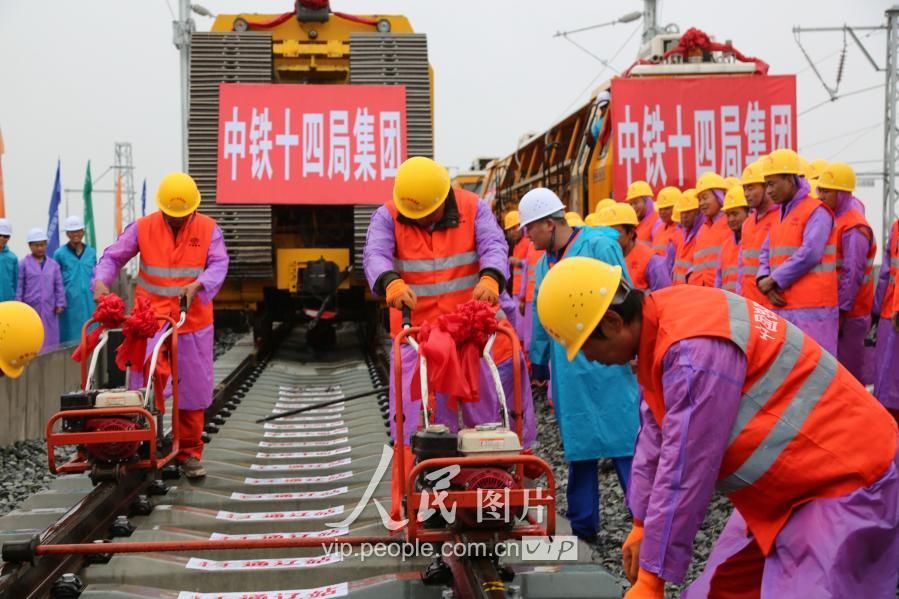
(790, 421)
(434, 289)
(156, 271)
(159, 289)
(435, 264)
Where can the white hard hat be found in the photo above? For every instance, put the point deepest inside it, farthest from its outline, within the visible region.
(74, 223)
(5, 228)
(603, 98)
(538, 203)
(36, 234)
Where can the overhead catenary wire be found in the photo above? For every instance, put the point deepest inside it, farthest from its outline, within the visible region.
(843, 135)
(851, 143)
(601, 71)
(841, 96)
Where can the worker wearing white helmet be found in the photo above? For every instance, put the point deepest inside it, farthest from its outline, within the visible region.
(40, 285)
(76, 261)
(9, 264)
(596, 405)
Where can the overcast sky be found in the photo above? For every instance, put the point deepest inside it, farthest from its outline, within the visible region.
(75, 77)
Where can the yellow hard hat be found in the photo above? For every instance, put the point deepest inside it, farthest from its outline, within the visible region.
(638, 189)
(839, 176)
(620, 214)
(511, 219)
(667, 197)
(178, 195)
(710, 180)
(735, 198)
(574, 219)
(731, 181)
(689, 200)
(420, 187)
(804, 167)
(675, 215)
(604, 204)
(753, 173)
(592, 220)
(573, 298)
(816, 167)
(21, 337)
(781, 162)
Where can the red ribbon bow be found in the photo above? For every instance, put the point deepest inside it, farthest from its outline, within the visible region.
(109, 314)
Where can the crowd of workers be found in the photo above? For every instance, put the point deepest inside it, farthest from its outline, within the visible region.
(704, 338)
(58, 287)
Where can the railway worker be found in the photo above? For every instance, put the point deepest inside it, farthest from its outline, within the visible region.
(595, 405)
(856, 248)
(182, 254)
(639, 196)
(40, 285)
(645, 269)
(667, 235)
(886, 313)
(519, 248)
(76, 261)
(9, 264)
(574, 219)
(736, 210)
(798, 262)
(433, 248)
(755, 231)
(526, 297)
(21, 337)
(688, 215)
(710, 190)
(813, 476)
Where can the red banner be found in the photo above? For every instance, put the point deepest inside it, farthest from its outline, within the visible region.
(669, 131)
(309, 144)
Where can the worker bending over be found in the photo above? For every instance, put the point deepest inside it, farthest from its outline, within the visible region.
(645, 269)
(755, 231)
(182, 254)
(710, 190)
(740, 400)
(798, 262)
(736, 210)
(432, 249)
(595, 405)
(856, 248)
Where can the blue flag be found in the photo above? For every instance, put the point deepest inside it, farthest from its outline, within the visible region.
(53, 220)
(143, 200)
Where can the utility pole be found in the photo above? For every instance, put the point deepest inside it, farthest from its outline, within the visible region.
(890, 137)
(891, 103)
(650, 20)
(181, 34)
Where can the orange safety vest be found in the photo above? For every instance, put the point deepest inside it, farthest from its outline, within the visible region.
(755, 232)
(730, 257)
(533, 257)
(887, 308)
(442, 267)
(168, 264)
(644, 229)
(683, 259)
(665, 235)
(637, 261)
(853, 219)
(818, 287)
(707, 253)
(520, 251)
(805, 428)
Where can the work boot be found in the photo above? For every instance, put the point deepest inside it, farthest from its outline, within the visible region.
(192, 468)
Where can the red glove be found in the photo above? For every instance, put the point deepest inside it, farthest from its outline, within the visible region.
(630, 551)
(487, 290)
(648, 586)
(399, 294)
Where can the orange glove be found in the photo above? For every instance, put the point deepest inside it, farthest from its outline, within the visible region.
(630, 551)
(487, 290)
(648, 586)
(399, 294)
